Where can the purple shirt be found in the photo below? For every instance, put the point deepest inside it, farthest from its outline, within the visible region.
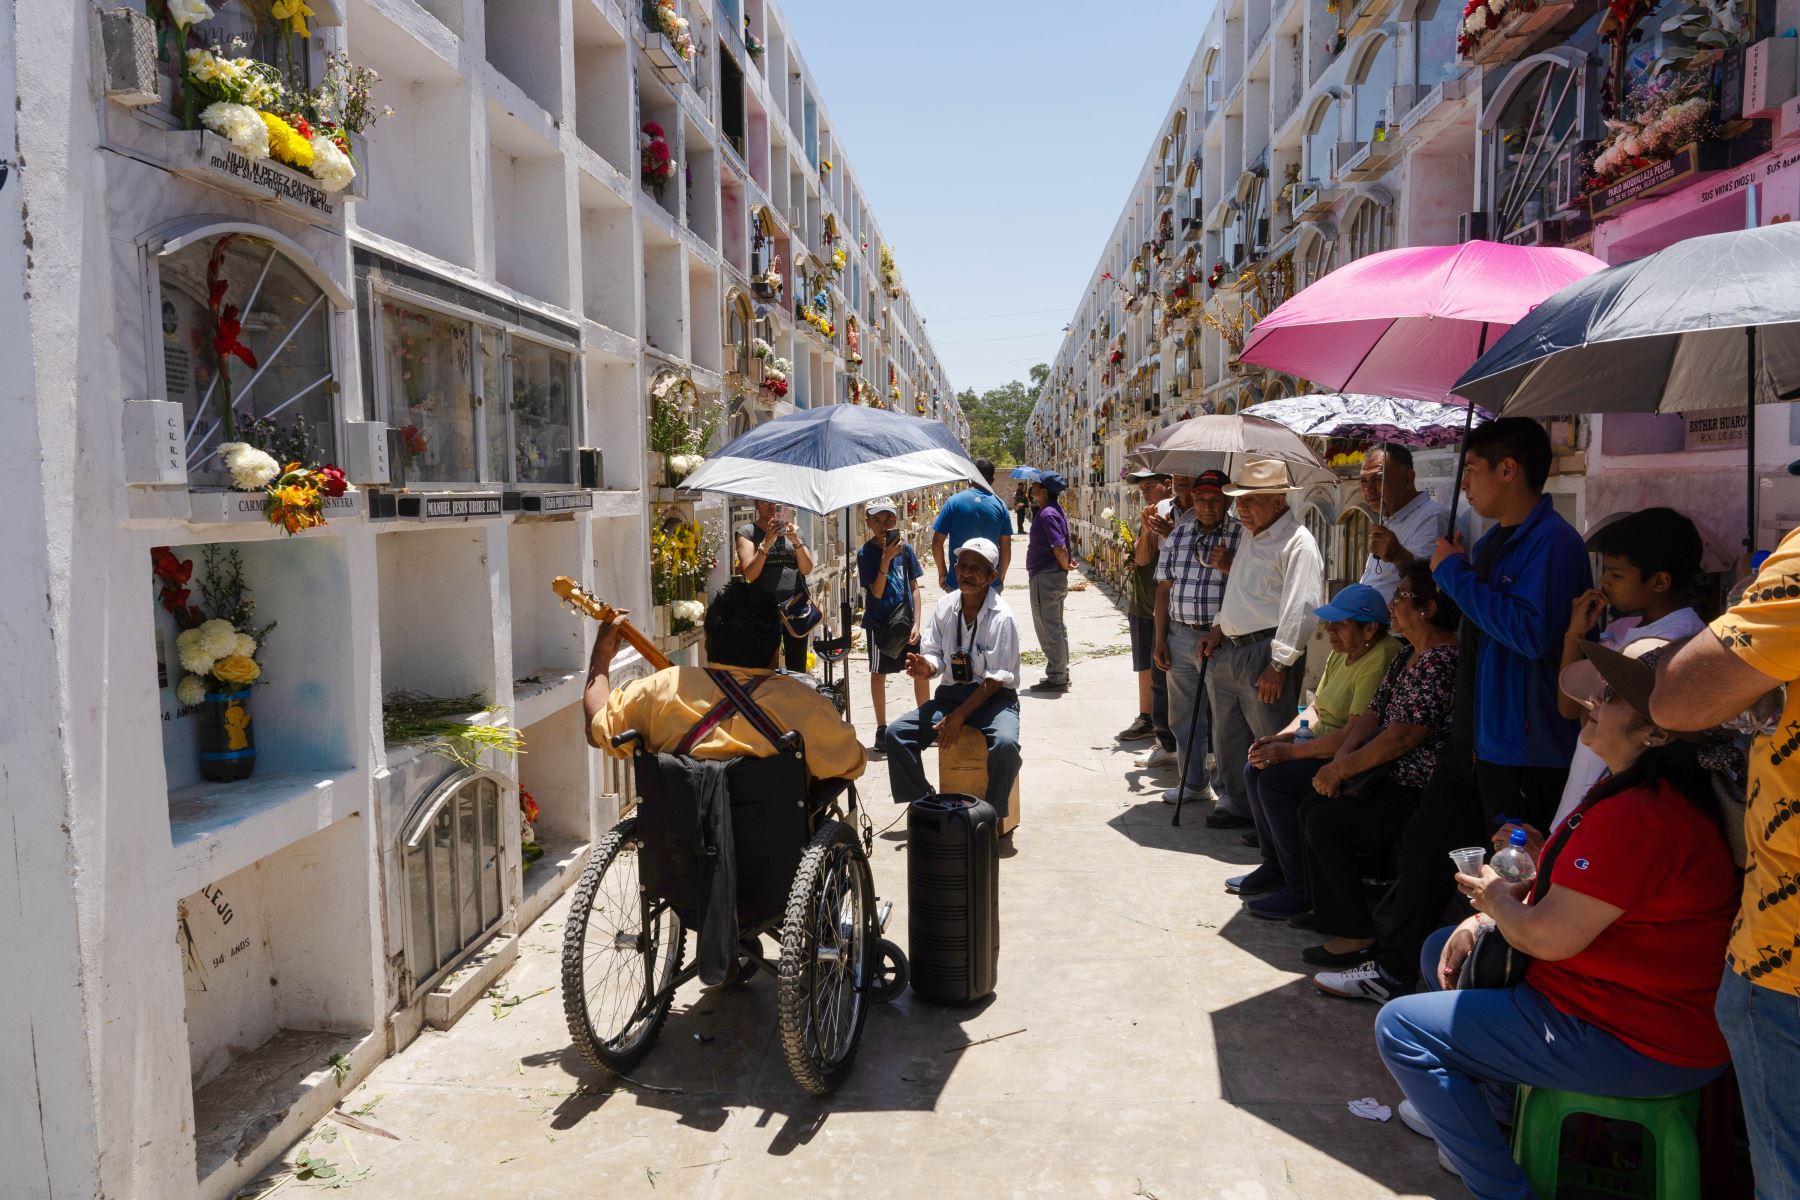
(1050, 529)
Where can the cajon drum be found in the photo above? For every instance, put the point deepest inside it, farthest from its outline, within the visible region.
(962, 769)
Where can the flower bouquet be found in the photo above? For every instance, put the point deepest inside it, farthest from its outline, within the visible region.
(655, 158)
(1672, 110)
(294, 494)
(890, 271)
(217, 655)
(775, 376)
(685, 615)
(660, 16)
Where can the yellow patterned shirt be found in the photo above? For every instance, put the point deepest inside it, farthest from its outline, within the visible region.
(1763, 629)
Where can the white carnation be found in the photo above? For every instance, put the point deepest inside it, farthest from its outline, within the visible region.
(189, 12)
(218, 638)
(240, 125)
(191, 690)
(685, 464)
(331, 166)
(688, 610)
(1106, 514)
(246, 646)
(251, 469)
(186, 640)
(196, 660)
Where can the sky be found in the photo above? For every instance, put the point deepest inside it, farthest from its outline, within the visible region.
(996, 142)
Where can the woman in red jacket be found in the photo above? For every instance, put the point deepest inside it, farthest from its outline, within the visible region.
(1625, 929)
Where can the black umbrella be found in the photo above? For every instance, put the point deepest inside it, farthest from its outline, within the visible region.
(1711, 322)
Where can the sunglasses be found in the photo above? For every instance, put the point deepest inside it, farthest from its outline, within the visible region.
(1599, 699)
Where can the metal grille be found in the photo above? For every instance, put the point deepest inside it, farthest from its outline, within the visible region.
(452, 875)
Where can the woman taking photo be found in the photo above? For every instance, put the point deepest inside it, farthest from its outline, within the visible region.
(772, 558)
(1624, 928)
(1279, 774)
(1399, 737)
(890, 571)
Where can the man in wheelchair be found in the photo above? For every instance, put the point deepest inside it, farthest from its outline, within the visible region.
(743, 638)
(973, 639)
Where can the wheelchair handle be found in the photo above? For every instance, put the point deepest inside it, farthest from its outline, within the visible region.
(788, 742)
(621, 740)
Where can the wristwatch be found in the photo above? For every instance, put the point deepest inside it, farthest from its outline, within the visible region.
(1284, 668)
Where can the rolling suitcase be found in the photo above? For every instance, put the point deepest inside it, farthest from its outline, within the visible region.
(953, 897)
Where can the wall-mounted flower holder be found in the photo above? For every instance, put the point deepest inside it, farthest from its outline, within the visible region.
(205, 156)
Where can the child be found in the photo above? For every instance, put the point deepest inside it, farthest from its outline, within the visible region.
(890, 572)
(1649, 561)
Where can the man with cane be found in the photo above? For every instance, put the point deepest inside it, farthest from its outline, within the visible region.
(1197, 545)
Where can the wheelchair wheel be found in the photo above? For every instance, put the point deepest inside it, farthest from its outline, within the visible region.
(889, 975)
(620, 952)
(826, 939)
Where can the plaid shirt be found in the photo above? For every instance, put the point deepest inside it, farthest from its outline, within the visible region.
(1198, 590)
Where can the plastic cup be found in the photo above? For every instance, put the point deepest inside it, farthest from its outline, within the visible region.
(1469, 859)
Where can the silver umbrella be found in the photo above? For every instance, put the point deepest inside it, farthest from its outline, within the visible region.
(1194, 445)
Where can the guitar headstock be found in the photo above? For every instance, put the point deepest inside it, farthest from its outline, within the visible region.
(580, 600)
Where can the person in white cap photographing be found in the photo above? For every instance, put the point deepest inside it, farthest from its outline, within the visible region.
(971, 645)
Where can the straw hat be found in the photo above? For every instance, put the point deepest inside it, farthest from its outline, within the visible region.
(1262, 477)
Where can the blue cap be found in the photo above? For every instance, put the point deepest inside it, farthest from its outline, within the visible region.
(1518, 837)
(1053, 482)
(1356, 602)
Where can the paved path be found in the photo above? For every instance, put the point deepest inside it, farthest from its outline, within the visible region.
(1171, 1045)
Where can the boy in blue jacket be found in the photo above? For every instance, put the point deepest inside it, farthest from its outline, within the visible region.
(1510, 746)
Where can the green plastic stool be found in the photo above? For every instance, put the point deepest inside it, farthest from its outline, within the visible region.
(1668, 1120)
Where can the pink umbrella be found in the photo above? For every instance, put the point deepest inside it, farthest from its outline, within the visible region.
(1408, 322)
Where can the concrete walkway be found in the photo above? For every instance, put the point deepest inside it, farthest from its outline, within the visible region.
(1168, 1045)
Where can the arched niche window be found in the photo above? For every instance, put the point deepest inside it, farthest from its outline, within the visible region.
(762, 240)
(1434, 43)
(739, 317)
(1321, 135)
(1354, 528)
(257, 290)
(1372, 76)
(1315, 254)
(1370, 227)
(451, 847)
(1532, 119)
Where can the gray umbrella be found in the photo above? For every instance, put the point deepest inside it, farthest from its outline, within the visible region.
(1711, 322)
(1196, 444)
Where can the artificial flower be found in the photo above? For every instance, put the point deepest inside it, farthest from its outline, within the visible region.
(653, 129)
(217, 638)
(330, 165)
(240, 125)
(189, 12)
(294, 12)
(251, 469)
(246, 646)
(190, 691)
(286, 144)
(236, 668)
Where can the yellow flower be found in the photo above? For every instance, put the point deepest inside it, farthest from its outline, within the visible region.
(237, 668)
(294, 12)
(286, 144)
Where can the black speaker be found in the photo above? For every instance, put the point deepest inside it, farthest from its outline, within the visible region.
(953, 897)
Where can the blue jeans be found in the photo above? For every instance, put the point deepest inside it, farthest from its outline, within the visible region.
(1762, 1027)
(1191, 737)
(1446, 1050)
(997, 721)
(1276, 795)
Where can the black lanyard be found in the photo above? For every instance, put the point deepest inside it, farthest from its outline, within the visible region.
(964, 646)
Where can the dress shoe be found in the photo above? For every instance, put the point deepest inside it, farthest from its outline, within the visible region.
(1306, 920)
(1225, 820)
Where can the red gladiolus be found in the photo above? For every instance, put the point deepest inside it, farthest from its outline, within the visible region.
(175, 600)
(225, 340)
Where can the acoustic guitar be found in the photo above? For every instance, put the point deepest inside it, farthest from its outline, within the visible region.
(581, 601)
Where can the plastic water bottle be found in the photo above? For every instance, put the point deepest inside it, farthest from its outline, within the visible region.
(1513, 861)
(1304, 733)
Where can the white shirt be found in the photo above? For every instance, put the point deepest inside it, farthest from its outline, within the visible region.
(1418, 524)
(1277, 579)
(992, 645)
(1586, 767)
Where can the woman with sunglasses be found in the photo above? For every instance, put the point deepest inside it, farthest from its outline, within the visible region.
(1624, 929)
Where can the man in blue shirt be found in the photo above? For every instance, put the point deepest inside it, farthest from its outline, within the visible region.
(971, 513)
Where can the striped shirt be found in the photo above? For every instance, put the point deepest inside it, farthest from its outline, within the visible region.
(1198, 591)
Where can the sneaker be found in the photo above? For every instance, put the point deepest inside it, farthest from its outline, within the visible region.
(881, 739)
(1319, 956)
(1366, 981)
(1138, 730)
(1225, 820)
(1049, 685)
(1200, 797)
(1158, 757)
(1409, 1117)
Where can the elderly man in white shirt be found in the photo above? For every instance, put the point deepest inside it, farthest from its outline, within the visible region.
(1408, 522)
(973, 641)
(1258, 642)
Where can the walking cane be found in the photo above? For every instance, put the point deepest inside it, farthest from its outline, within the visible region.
(1193, 729)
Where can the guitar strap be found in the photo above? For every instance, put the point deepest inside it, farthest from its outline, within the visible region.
(734, 697)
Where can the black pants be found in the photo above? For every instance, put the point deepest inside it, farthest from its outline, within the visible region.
(1021, 515)
(1340, 833)
(1528, 794)
(793, 652)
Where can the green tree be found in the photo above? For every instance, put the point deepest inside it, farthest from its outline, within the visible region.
(997, 417)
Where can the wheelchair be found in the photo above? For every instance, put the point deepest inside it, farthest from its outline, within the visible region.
(803, 879)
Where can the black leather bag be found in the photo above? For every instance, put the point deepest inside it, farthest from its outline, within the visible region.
(798, 612)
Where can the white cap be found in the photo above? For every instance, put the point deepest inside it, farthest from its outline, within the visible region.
(881, 504)
(982, 547)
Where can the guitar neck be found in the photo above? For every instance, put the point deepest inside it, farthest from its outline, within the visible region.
(643, 645)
